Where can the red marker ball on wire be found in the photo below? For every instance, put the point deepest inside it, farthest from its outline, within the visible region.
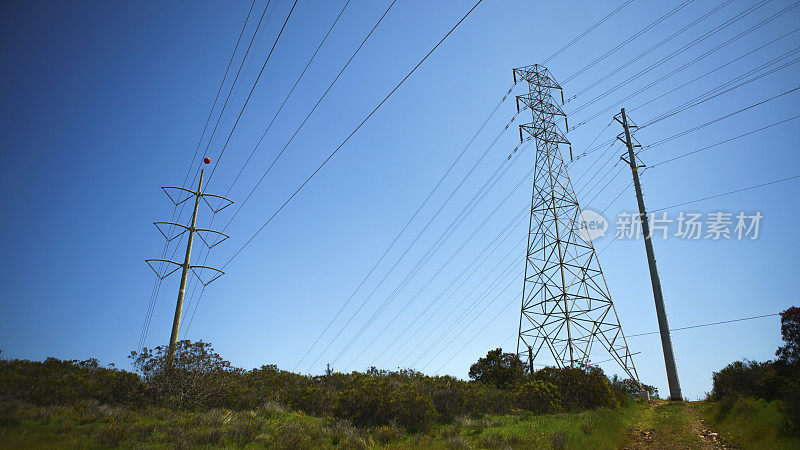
(207, 160)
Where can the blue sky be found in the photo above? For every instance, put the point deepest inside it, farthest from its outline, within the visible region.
(105, 102)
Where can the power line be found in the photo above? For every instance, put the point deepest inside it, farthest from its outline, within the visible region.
(723, 142)
(250, 94)
(453, 256)
(722, 86)
(691, 44)
(629, 40)
(694, 102)
(285, 100)
(711, 122)
(405, 227)
(587, 31)
(351, 135)
(280, 108)
(437, 244)
(651, 49)
(302, 124)
(709, 324)
(729, 193)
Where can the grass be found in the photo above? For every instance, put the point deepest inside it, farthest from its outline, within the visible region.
(93, 425)
(749, 423)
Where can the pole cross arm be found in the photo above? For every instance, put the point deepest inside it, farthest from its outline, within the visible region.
(160, 276)
(168, 238)
(218, 272)
(205, 239)
(175, 196)
(224, 202)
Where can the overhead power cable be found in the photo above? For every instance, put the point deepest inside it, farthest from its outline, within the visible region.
(405, 227)
(638, 91)
(291, 91)
(649, 50)
(711, 122)
(722, 142)
(435, 276)
(421, 232)
(352, 133)
(432, 249)
(630, 39)
(250, 94)
(274, 117)
(587, 31)
(692, 103)
(728, 193)
(691, 44)
(700, 325)
(308, 116)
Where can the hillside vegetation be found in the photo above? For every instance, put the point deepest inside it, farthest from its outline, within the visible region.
(200, 399)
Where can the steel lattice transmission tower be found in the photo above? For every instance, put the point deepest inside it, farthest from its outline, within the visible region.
(566, 305)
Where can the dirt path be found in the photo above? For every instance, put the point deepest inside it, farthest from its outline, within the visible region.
(668, 425)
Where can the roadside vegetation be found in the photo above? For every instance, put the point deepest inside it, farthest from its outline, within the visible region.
(757, 404)
(201, 400)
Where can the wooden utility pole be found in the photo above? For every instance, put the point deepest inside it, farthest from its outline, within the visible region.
(661, 313)
(179, 195)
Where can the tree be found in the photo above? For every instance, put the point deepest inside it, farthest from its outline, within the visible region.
(500, 369)
(790, 333)
(195, 377)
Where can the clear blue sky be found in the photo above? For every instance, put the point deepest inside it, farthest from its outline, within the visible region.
(104, 102)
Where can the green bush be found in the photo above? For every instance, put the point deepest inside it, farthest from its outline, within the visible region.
(379, 400)
(539, 397)
(740, 379)
(580, 388)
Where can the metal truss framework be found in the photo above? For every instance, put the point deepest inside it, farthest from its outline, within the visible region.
(566, 305)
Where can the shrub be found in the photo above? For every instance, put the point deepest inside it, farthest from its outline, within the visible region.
(539, 397)
(112, 434)
(10, 414)
(586, 388)
(195, 377)
(503, 370)
(245, 429)
(385, 434)
(739, 379)
(378, 400)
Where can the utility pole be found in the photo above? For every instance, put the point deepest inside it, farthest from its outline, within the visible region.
(176, 197)
(661, 313)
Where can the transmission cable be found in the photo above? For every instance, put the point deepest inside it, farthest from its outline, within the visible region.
(452, 257)
(437, 244)
(587, 31)
(250, 94)
(604, 111)
(280, 108)
(405, 227)
(708, 324)
(649, 50)
(691, 44)
(349, 136)
(630, 39)
(300, 127)
(729, 193)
